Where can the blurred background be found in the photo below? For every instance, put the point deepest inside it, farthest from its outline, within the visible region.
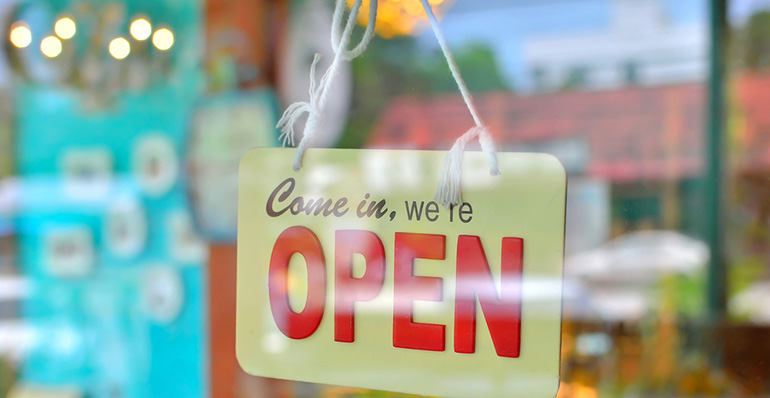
(122, 123)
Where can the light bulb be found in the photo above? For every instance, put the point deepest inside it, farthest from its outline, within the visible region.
(140, 29)
(65, 28)
(163, 39)
(50, 46)
(21, 36)
(119, 48)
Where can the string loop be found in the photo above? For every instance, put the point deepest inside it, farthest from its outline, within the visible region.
(448, 192)
(449, 188)
(339, 9)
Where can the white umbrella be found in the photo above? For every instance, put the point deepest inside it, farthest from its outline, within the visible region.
(640, 257)
(618, 275)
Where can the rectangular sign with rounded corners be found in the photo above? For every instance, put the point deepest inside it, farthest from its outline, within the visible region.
(349, 272)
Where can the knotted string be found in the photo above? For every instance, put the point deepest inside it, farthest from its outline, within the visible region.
(319, 93)
(448, 192)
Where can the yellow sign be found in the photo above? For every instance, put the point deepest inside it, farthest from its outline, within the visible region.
(350, 274)
(34, 391)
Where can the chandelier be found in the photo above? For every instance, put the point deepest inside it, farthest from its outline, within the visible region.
(95, 49)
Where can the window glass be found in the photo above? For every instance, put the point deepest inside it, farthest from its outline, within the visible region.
(122, 125)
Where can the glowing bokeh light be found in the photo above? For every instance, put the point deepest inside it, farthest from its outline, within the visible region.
(20, 36)
(119, 48)
(399, 17)
(140, 29)
(65, 28)
(163, 39)
(50, 46)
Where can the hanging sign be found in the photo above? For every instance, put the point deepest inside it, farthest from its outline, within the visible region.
(350, 274)
(24, 390)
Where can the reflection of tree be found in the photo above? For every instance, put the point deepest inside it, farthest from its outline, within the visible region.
(753, 42)
(397, 66)
(576, 78)
(477, 64)
(758, 41)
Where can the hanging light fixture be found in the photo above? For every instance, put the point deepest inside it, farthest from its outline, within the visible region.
(48, 51)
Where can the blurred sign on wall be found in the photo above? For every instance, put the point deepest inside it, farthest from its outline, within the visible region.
(224, 128)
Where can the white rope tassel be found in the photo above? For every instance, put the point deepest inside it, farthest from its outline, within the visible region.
(448, 192)
(319, 94)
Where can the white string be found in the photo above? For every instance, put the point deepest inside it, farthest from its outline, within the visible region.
(319, 93)
(368, 34)
(448, 192)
